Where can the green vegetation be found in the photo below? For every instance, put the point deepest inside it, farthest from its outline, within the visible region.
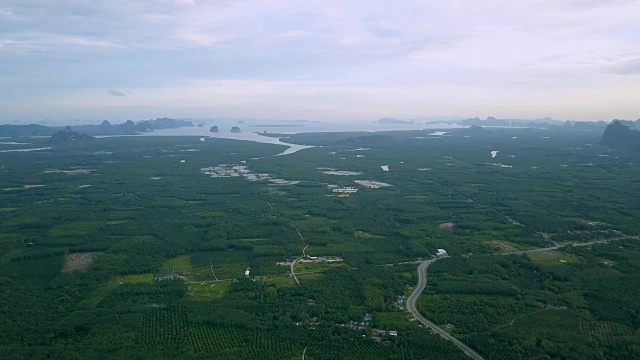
(169, 246)
(520, 307)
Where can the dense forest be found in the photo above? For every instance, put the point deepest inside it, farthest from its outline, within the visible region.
(175, 247)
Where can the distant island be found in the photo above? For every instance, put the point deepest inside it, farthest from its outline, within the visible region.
(235, 129)
(474, 129)
(214, 129)
(278, 125)
(161, 123)
(490, 121)
(105, 128)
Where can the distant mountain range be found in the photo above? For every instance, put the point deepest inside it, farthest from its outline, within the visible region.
(392, 121)
(490, 121)
(622, 134)
(106, 128)
(535, 123)
(68, 136)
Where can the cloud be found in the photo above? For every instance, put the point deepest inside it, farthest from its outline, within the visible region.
(115, 92)
(472, 49)
(629, 68)
(6, 13)
(383, 31)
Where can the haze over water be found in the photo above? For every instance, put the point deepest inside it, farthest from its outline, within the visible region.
(250, 132)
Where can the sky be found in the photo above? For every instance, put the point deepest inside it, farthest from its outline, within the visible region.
(323, 60)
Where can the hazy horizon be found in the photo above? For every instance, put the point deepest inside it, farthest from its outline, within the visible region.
(319, 60)
(292, 122)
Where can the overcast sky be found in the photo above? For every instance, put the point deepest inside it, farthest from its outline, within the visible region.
(321, 60)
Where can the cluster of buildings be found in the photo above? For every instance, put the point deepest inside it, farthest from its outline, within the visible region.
(228, 170)
(307, 257)
(359, 325)
(345, 190)
(377, 333)
(399, 304)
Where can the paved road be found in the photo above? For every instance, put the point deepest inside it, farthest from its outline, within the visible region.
(411, 306)
(558, 246)
(293, 263)
(293, 273)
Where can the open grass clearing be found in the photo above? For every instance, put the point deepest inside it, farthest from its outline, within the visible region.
(365, 235)
(502, 246)
(278, 280)
(103, 291)
(550, 257)
(117, 222)
(180, 264)
(74, 229)
(309, 276)
(207, 291)
(316, 266)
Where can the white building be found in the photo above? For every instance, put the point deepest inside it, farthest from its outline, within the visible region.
(441, 252)
(246, 273)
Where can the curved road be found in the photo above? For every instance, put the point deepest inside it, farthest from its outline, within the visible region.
(411, 306)
(422, 283)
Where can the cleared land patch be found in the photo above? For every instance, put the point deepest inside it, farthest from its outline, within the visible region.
(372, 184)
(78, 261)
(446, 226)
(70, 172)
(342, 173)
(303, 266)
(25, 187)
